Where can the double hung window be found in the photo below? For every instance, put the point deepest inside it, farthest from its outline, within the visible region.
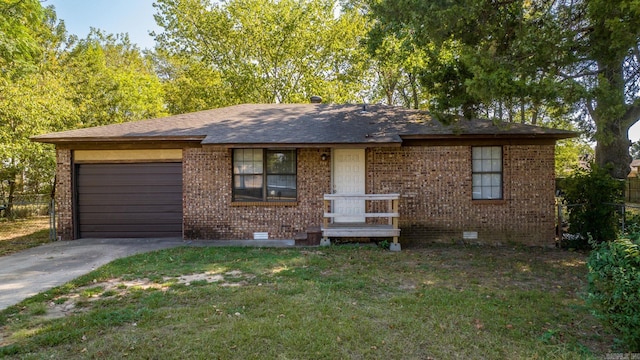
(264, 175)
(487, 172)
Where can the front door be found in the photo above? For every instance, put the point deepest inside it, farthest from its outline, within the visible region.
(349, 178)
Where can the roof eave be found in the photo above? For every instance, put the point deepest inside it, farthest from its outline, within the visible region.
(303, 145)
(552, 136)
(119, 139)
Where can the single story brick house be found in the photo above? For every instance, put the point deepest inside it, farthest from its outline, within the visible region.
(232, 172)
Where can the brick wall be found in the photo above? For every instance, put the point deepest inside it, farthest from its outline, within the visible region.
(64, 202)
(434, 183)
(435, 188)
(210, 214)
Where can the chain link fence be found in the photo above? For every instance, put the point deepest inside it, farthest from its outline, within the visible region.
(626, 212)
(30, 205)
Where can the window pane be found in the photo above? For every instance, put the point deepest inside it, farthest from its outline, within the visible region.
(495, 179)
(486, 179)
(486, 165)
(496, 165)
(476, 153)
(477, 165)
(496, 152)
(247, 161)
(477, 180)
(486, 152)
(281, 187)
(247, 187)
(477, 193)
(496, 192)
(281, 162)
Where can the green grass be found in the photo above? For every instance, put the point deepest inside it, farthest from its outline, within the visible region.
(441, 302)
(21, 234)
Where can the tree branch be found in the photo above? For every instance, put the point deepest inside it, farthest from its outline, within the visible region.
(632, 115)
(579, 75)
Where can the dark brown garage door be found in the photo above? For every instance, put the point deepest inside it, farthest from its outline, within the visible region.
(129, 200)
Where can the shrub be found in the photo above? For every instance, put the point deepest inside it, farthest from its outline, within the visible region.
(614, 287)
(591, 196)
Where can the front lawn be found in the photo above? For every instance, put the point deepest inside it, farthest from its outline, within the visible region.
(20, 234)
(340, 302)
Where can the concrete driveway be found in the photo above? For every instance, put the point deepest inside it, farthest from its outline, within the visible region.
(41, 268)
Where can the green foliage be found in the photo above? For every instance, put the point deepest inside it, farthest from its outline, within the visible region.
(254, 51)
(111, 81)
(20, 23)
(384, 244)
(590, 197)
(634, 150)
(614, 288)
(50, 82)
(527, 61)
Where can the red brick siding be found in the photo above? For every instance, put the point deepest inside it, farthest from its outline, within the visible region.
(435, 188)
(434, 183)
(209, 213)
(64, 201)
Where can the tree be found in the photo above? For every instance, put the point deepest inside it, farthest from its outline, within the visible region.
(265, 51)
(530, 61)
(111, 81)
(20, 22)
(32, 101)
(397, 65)
(50, 82)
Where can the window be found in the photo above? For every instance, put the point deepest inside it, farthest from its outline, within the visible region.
(487, 172)
(264, 175)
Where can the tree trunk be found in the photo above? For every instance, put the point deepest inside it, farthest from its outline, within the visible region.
(12, 189)
(614, 154)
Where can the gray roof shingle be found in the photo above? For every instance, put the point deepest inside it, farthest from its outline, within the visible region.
(291, 124)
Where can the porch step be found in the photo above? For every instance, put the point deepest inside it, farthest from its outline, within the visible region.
(360, 230)
(310, 237)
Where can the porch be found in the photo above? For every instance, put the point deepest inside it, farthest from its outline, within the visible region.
(337, 224)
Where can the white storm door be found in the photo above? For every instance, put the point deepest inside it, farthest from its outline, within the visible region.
(349, 178)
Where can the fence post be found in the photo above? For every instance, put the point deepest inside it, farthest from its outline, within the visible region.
(559, 225)
(52, 220)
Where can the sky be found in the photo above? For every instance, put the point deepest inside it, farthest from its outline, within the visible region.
(134, 17)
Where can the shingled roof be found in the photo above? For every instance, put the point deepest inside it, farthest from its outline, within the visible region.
(300, 124)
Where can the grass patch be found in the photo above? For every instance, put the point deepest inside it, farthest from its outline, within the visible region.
(21, 234)
(441, 302)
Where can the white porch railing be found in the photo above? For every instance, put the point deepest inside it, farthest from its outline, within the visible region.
(362, 229)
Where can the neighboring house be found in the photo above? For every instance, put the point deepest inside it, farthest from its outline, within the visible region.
(231, 172)
(635, 164)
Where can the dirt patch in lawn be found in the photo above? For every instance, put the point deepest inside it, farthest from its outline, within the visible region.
(80, 299)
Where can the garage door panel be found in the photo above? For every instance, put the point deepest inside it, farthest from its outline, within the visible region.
(107, 210)
(155, 189)
(129, 200)
(144, 168)
(124, 181)
(132, 199)
(130, 235)
(129, 218)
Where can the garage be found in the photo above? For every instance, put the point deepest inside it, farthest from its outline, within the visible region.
(129, 200)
